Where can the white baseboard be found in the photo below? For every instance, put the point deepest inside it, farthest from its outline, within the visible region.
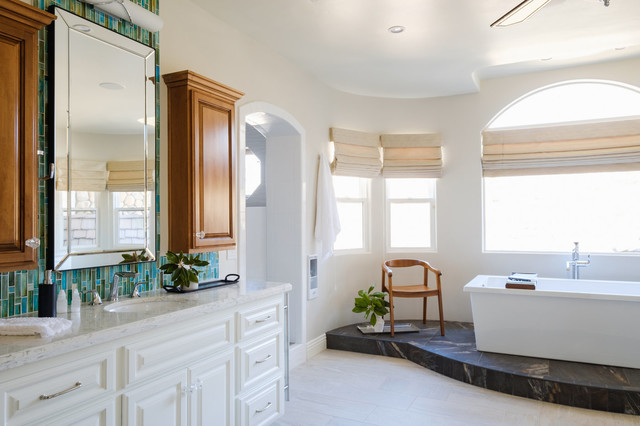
(297, 355)
(317, 345)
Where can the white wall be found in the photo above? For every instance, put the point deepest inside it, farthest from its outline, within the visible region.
(193, 39)
(461, 119)
(257, 243)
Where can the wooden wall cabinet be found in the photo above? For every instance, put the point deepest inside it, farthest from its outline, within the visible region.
(202, 163)
(19, 25)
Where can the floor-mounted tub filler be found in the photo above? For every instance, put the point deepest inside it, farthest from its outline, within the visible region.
(575, 320)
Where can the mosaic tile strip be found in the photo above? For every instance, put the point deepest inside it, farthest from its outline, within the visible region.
(19, 289)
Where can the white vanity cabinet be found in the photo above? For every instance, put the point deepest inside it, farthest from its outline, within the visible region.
(34, 394)
(260, 364)
(215, 368)
(198, 355)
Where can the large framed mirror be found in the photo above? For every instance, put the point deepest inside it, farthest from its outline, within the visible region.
(103, 123)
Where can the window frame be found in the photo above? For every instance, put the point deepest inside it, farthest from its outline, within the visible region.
(431, 201)
(365, 201)
(515, 102)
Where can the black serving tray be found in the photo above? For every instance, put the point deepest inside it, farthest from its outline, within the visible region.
(399, 328)
(229, 279)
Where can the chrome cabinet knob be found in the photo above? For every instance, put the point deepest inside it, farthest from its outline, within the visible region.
(200, 234)
(33, 242)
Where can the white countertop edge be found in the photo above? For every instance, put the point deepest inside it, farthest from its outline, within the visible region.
(37, 349)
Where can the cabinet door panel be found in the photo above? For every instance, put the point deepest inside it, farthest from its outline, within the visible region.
(18, 114)
(161, 402)
(211, 401)
(100, 415)
(214, 171)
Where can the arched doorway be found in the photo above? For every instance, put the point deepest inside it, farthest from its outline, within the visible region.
(272, 219)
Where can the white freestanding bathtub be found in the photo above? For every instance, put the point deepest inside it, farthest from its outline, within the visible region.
(575, 320)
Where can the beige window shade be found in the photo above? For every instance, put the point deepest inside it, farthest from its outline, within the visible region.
(575, 148)
(356, 153)
(86, 175)
(128, 176)
(412, 156)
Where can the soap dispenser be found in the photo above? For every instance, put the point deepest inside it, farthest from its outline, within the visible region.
(75, 300)
(61, 305)
(47, 296)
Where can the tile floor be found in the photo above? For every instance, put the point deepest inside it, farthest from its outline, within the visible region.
(347, 388)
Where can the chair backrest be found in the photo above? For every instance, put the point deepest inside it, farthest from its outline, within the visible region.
(404, 263)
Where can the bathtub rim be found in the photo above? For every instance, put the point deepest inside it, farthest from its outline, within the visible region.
(476, 286)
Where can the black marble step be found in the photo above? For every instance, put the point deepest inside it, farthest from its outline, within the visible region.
(597, 387)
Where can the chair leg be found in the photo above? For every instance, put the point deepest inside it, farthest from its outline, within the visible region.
(441, 314)
(391, 314)
(424, 310)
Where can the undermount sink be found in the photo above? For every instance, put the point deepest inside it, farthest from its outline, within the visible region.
(146, 306)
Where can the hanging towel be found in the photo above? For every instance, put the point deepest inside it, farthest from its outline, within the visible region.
(31, 326)
(327, 219)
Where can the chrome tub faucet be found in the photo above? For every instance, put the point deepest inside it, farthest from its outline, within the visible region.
(574, 265)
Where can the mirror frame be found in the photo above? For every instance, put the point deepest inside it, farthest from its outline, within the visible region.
(59, 33)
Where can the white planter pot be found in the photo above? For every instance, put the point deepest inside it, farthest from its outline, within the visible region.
(379, 324)
(192, 287)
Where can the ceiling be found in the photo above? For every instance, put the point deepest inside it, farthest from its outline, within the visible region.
(447, 46)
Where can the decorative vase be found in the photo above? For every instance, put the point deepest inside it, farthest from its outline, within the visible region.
(191, 287)
(379, 324)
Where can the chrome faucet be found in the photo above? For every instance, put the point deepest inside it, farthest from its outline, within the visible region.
(574, 265)
(95, 297)
(136, 288)
(113, 294)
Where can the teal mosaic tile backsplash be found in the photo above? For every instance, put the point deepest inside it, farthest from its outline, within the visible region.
(19, 289)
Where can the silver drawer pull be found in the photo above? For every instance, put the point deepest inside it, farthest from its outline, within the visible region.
(264, 319)
(260, 361)
(266, 407)
(62, 392)
(200, 234)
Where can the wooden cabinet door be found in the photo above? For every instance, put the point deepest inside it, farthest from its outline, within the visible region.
(202, 163)
(19, 24)
(214, 171)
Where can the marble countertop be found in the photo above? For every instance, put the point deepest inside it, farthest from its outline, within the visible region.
(93, 325)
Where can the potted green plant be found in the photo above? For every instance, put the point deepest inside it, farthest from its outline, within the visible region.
(134, 257)
(182, 268)
(374, 306)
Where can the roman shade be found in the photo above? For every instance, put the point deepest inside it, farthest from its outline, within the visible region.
(86, 175)
(573, 148)
(412, 156)
(128, 176)
(356, 153)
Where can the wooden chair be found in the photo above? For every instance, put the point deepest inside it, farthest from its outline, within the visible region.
(420, 290)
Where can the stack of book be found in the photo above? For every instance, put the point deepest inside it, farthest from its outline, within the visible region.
(522, 280)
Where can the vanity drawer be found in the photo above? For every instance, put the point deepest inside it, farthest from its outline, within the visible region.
(262, 406)
(259, 359)
(166, 351)
(72, 383)
(257, 320)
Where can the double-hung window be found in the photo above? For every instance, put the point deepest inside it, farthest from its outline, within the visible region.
(352, 196)
(410, 214)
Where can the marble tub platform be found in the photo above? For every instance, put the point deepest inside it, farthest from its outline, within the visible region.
(597, 387)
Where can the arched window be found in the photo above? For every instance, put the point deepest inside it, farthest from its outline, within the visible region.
(562, 164)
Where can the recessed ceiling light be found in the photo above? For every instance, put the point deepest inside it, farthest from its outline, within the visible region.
(111, 85)
(396, 29)
(82, 28)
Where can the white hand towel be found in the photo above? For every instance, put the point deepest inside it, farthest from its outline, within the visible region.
(327, 219)
(31, 326)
